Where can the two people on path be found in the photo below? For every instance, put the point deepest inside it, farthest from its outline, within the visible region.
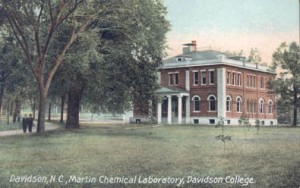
(27, 122)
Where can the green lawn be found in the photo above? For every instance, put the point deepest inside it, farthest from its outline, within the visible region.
(271, 158)
(11, 126)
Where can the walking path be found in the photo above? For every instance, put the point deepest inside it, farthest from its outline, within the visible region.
(48, 126)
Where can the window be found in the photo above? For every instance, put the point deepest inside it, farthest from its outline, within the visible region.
(203, 77)
(233, 78)
(212, 121)
(239, 82)
(170, 79)
(262, 122)
(196, 121)
(271, 123)
(228, 122)
(262, 83)
(176, 79)
(238, 104)
(212, 103)
(228, 104)
(196, 102)
(211, 77)
(228, 77)
(196, 78)
(270, 107)
(261, 106)
(251, 81)
(173, 79)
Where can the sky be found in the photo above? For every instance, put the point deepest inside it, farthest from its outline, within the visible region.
(232, 25)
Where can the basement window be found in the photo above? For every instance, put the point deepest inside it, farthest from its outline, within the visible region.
(211, 121)
(196, 121)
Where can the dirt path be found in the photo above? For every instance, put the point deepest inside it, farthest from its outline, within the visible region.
(48, 126)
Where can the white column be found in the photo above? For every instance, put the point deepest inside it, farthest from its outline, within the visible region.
(221, 89)
(159, 112)
(179, 109)
(187, 80)
(187, 110)
(169, 109)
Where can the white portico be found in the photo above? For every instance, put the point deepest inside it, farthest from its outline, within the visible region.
(172, 98)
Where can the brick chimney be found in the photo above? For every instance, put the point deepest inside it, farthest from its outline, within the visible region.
(190, 47)
(194, 45)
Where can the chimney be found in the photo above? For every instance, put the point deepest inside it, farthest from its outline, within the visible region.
(190, 47)
(194, 45)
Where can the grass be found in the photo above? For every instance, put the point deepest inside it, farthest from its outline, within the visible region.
(271, 157)
(11, 126)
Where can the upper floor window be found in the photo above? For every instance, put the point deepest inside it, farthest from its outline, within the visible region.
(233, 78)
(203, 77)
(176, 78)
(262, 82)
(196, 103)
(170, 79)
(238, 104)
(228, 77)
(196, 78)
(251, 81)
(239, 79)
(211, 77)
(173, 79)
(212, 103)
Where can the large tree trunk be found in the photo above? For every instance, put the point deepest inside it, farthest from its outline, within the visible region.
(49, 112)
(11, 107)
(2, 87)
(41, 114)
(33, 109)
(63, 98)
(17, 109)
(295, 107)
(7, 111)
(74, 98)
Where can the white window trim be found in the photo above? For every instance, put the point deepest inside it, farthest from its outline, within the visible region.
(194, 103)
(211, 95)
(201, 78)
(209, 78)
(194, 77)
(240, 106)
(230, 101)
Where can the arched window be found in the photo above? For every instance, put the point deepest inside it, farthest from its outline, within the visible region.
(228, 103)
(196, 103)
(238, 104)
(261, 106)
(254, 107)
(270, 107)
(212, 102)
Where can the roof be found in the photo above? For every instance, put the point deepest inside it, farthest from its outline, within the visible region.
(208, 58)
(165, 90)
(197, 55)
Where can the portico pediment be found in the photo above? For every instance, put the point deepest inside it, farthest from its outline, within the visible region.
(167, 90)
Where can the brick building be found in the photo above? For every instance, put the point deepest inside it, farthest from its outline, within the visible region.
(198, 87)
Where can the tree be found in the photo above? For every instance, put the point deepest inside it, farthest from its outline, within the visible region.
(110, 68)
(254, 56)
(287, 58)
(34, 25)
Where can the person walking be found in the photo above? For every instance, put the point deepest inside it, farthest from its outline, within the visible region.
(30, 123)
(24, 123)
